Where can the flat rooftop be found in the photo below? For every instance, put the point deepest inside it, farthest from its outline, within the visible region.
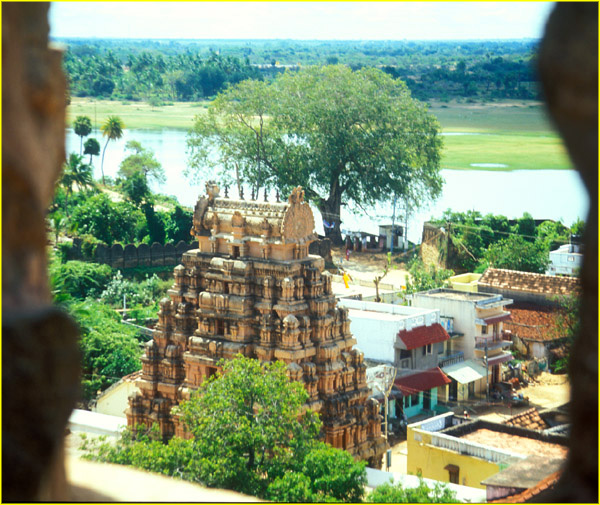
(516, 443)
(388, 311)
(525, 473)
(454, 294)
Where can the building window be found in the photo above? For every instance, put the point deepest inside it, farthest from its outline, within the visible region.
(453, 472)
(429, 348)
(484, 329)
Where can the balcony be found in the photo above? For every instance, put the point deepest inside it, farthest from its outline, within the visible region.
(450, 358)
(492, 343)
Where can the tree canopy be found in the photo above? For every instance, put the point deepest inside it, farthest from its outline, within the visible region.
(112, 129)
(345, 136)
(250, 433)
(82, 126)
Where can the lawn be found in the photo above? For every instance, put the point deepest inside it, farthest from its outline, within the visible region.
(512, 133)
(137, 115)
(515, 133)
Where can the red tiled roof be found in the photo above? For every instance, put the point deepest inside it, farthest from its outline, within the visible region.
(530, 419)
(546, 483)
(532, 321)
(423, 335)
(529, 282)
(421, 381)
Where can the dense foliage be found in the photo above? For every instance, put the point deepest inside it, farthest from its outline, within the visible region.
(251, 434)
(192, 70)
(423, 278)
(495, 241)
(396, 493)
(343, 136)
(109, 349)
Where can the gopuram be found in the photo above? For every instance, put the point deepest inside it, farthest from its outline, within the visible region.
(252, 288)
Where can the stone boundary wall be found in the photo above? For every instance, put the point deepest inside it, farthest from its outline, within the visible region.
(131, 256)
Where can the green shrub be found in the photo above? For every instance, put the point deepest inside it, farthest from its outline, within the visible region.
(79, 279)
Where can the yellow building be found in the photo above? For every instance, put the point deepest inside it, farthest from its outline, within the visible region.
(465, 451)
(465, 282)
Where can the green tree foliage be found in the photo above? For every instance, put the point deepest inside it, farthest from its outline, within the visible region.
(141, 161)
(423, 278)
(250, 433)
(178, 225)
(110, 350)
(248, 424)
(155, 224)
(552, 234)
(91, 147)
(567, 325)
(396, 493)
(75, 172)
(108, 221)
(137, 171)
(82, 126)
(516, 253)
(344, 136)
(191, 70)
(112, 129)
(78, 279)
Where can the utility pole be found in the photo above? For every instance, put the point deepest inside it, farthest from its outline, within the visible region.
(487, 373)
(393, 223)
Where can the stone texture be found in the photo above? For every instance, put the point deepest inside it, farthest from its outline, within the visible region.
(251, 288)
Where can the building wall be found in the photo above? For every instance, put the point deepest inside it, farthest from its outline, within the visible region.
(114, 401)
(463, 313)
(375, 338)
(465, 282)
(430, 461)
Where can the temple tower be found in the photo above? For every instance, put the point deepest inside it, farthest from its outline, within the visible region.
(252, 288)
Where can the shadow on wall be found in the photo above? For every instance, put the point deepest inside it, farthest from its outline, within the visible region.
(40, 357)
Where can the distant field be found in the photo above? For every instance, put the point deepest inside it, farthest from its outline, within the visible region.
(137, 115)
(512, 133)
(515, 133)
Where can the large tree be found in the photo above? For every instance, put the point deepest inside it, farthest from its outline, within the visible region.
(345, 136)
(82, 127)
(112, 129)
(250, 432)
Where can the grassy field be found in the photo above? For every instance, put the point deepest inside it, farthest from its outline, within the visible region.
(514, 133)
(137, 115)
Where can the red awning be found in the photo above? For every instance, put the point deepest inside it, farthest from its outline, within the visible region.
(496, 360)
(496, 319)
(423, 335)
(421, 381)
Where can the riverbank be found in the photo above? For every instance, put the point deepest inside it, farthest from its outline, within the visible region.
(501, 136)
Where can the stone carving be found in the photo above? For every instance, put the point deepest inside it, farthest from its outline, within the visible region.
(234, 296)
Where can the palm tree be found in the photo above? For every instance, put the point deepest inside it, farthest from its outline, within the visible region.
(75, 172)
(112, 129)
(82, 127)
(91, 147)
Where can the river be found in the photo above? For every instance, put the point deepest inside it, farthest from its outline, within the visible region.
(545, 194)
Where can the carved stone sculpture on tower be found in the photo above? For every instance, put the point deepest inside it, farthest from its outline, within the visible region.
(251, 288)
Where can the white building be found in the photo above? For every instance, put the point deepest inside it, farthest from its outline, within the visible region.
(566, 260)
(477, 320)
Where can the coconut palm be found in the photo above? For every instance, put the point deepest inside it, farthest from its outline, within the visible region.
(91, 147)
(112, 129)
(75, 172)
(82, 127)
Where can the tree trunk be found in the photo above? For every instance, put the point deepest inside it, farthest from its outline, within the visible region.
(330, 211)
(102, 162)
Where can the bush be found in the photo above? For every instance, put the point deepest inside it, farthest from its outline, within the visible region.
(107, 221)
(110, 350)
(79, 279)
(395, 493)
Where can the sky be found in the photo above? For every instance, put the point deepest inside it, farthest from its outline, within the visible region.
(300, 20)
